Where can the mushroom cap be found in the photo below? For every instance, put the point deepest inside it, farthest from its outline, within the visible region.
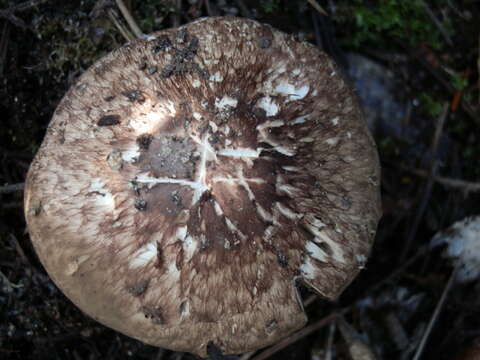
(189, 180)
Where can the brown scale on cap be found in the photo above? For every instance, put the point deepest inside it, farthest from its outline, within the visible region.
(180, 206)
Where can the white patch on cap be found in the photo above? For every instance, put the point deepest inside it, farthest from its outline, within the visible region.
(332, 141)
(291, 168)
(301, 119)
(227, 244)
(148, 119)
(239, 153)
(181, 233)
(270, 124)
(266, 103)
(264, 136)
(196, 83)
(308, 269)
(148, 37)
(296, 72)
(225, 102)
(270, 232)
(217, 208)
(335, 121)
(292, 92)
(189, 247)
(103, 197)
(185, 311)
(313, 221)
(217, 77)
(197, 116)
(321, 236)
(283, 188)
(131, 155)
(307, 139)
(361, 260)
(316, 252)
(233, 181)
(173, 272)
(264, 214)
(287, 212)
(213, 126)
(72, 267)
(144, 255)
(233, 228)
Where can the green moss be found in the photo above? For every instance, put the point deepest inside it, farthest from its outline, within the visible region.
(151, 14)
(376, 25)
(432, 106)
(270, 6)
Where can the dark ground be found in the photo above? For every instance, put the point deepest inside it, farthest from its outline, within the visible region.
(411, 63)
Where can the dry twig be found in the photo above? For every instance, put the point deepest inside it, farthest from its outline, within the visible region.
(465, 186)
(358, 349)
(330, 337)
(4, 45)
(317, 7)
(244, 9)
(299, 335)
(6, 189)
(176, 14)
(120, 27)
(437, 23)
(435, 315)
(129, 19)
(9, 14)
(439, 76)
(427, 189)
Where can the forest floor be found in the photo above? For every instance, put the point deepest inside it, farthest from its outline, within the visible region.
(415, 66)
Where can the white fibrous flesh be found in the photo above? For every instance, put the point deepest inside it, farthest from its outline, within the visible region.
(463, 247)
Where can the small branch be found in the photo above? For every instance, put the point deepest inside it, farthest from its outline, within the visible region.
(330, 338)
(435, 315)
(8, 14)
(473, 113)
(437, 23)
(299, 335)
(247, 356)
(244, 9)
(466, 186)
(210, 10)
(427, 189)
(176, 14)
(4, 45)
(357, 347)
(129, 19)
(8, 285)
(125, 32)
(6, 189)
(27, 5)
(317, 7)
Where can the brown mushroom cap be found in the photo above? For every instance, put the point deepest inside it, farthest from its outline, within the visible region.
(188, 180)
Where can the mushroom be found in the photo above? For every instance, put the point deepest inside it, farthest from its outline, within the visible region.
(190, 180)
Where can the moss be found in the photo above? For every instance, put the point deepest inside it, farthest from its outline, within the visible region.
(270, 6)
(377, 23)
(432, 106)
